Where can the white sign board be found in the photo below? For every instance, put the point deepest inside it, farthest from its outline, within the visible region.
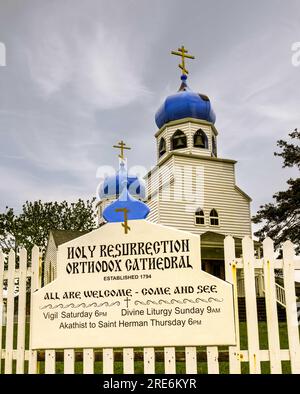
(144, 288)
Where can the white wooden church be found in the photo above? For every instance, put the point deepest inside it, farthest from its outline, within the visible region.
(191, 188)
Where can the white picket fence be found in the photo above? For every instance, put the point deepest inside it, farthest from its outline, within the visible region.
(14, 355)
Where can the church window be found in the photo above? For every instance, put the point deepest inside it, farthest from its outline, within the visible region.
(214, 218)
(162, 147)
(200, 139)
(138, 189)
(106, 189)
(199, 216)
(214, 146)
(178, 140)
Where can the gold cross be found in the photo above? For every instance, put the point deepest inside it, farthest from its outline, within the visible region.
(183, 53)
(125, 224)
(121, 145)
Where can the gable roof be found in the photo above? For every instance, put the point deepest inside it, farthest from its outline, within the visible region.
(243, 193)
(62, 236)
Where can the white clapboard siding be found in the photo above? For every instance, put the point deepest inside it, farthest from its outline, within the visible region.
(88, 361)
(128, 360)
(191, 360)
(10, 313)
(170, 360)
(108, 361)
(271, 307)
(50, 362)
(1, 300)
(220, 193)
(291, 306)
(69, 361)
(231, 277)
(21, 312)
(35, 261)
(251, 308)
(149, 360)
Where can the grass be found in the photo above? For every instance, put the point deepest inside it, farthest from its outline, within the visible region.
(180, 363)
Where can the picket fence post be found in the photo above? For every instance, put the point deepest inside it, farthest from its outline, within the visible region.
(10, 312)
(35, 259)
(231, 277)
(21, 312)
(271, 307)
(251, 307)
(291, 305)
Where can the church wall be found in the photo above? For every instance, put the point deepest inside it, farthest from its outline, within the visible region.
(159, 178)
(217, 191)
(167, 134)
(154, 212)
(189, 128)
(100, 207)
(50, 261)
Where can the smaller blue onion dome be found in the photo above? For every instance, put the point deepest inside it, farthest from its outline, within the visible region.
(113, 185)
(135, 209)
(185, 104)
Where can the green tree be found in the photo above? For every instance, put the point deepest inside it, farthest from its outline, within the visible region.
(281, 218)
(31, 227)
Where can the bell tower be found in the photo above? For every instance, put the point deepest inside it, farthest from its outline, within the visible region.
(186, 119)
(191, 188)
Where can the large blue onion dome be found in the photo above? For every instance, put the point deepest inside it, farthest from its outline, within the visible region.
(113, 185)
(185, 104)
(135, 209)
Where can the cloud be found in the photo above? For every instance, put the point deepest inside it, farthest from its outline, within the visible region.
(82, 75)
(94, 68)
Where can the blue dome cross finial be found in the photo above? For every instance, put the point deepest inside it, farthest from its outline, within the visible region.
(183, 53)
(185, 103)
(126, 207)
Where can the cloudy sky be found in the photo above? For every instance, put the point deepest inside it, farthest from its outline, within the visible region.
(80, 75)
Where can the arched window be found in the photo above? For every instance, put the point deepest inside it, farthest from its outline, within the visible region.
(214, 146)
(199, 216)
(178, 140)
(162, 147)
(214, 218)
(200, 139)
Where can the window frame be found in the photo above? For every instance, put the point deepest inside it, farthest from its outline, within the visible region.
(217, 217)
(206, 144)
(214, 146)
(199, 214)
(159, 148)
(181, 133)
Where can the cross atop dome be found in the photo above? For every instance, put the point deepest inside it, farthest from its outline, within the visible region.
(185, 103)
(121, 145)
(183, 53)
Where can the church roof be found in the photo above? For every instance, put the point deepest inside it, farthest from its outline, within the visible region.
(62, 236)
(185, 104)
(134, 209)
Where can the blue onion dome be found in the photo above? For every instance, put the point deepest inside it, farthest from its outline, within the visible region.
(185, 104)
(135, 209)
(113, 185)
